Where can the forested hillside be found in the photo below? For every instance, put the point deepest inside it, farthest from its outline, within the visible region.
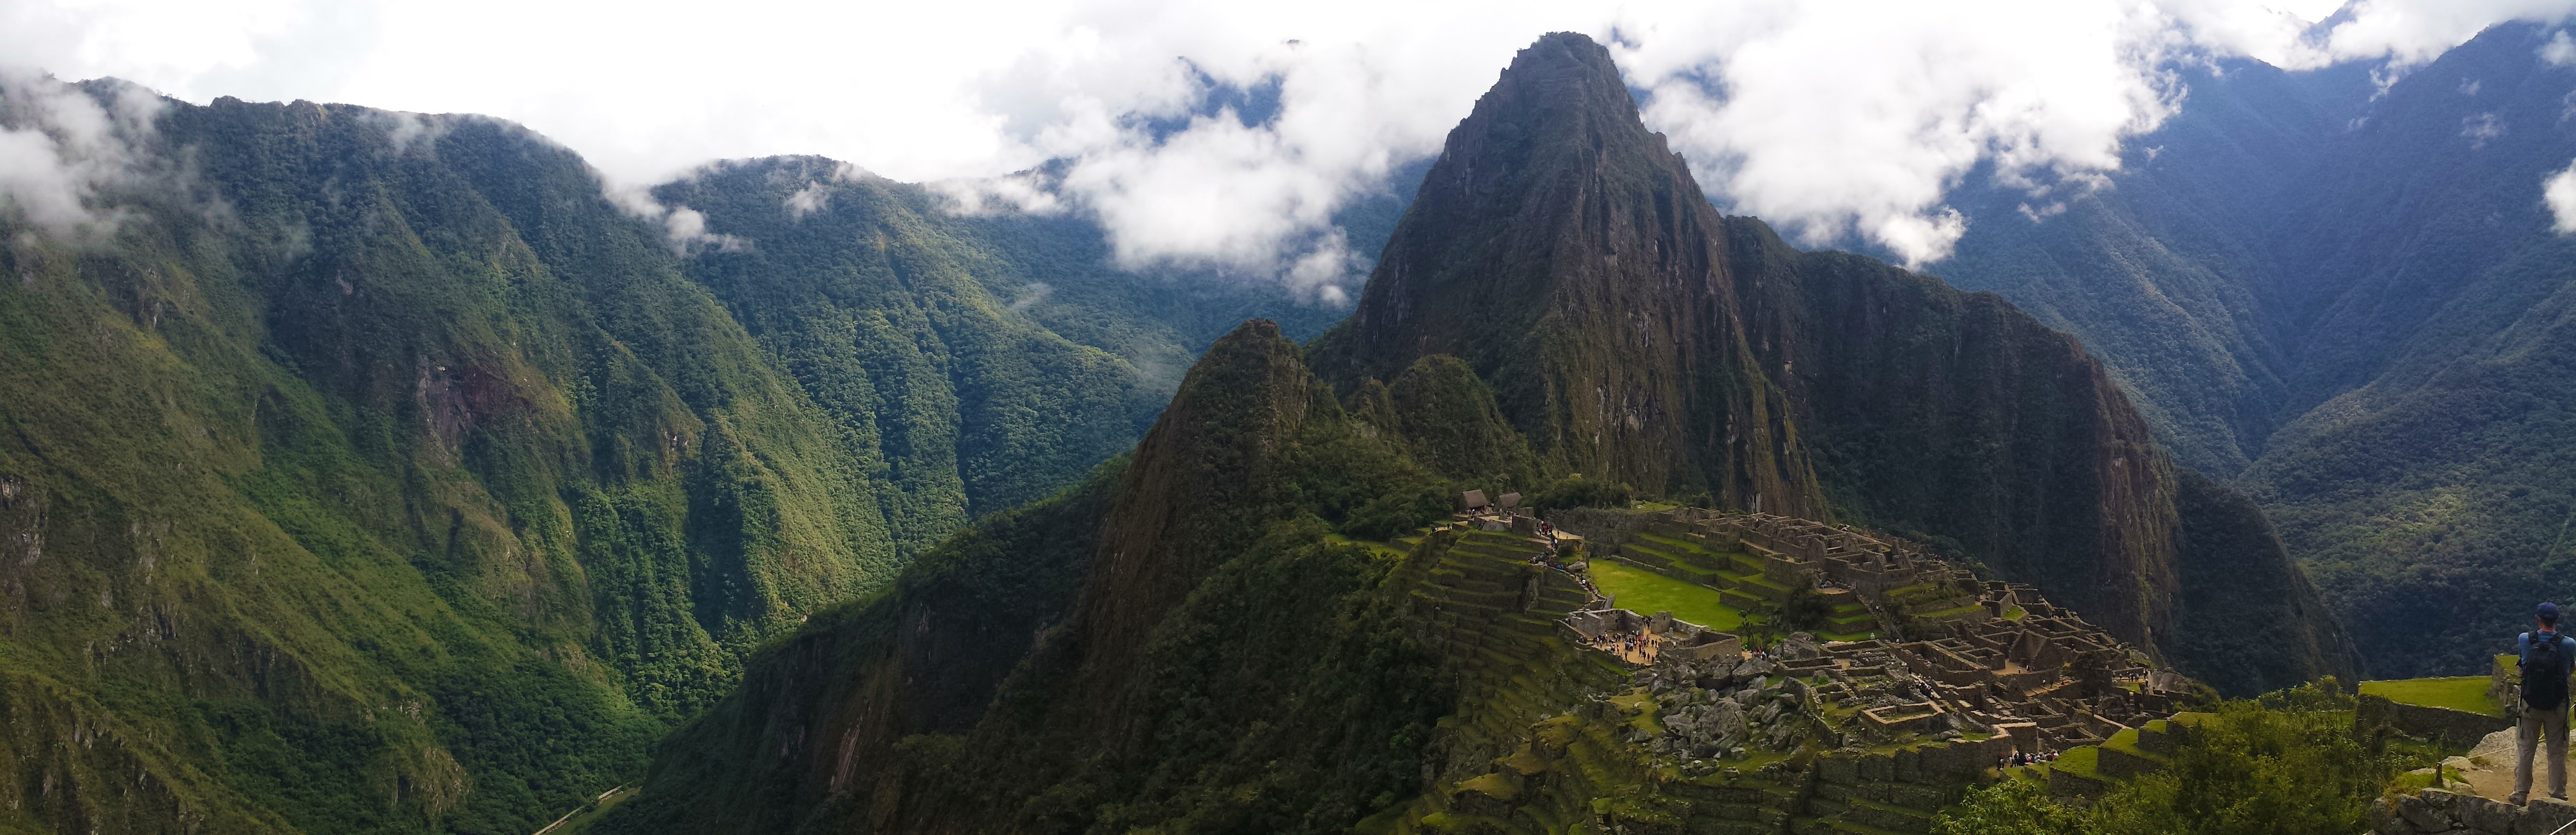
(2347, 301)
(1176, 643)
(368, 471)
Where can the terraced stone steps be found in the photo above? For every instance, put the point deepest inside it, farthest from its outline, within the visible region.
(1836, 826)
(1871, 814)
(1515, 761)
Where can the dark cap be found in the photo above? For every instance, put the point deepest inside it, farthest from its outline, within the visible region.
(2549, 613)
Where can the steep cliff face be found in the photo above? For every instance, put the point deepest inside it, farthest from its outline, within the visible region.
(1564, 252)
(1955, 416)
(1566, 255)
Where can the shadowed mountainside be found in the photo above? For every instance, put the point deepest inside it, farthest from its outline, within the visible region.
(2347, 301)
(1174, 643)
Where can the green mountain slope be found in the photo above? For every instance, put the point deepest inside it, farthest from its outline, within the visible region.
(2428, 481)
(374, 472)
(2158, 273)
(1174, 643)
(2345, 301)
(876, 309)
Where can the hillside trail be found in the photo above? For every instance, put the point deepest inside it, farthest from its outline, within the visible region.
(2487, 770)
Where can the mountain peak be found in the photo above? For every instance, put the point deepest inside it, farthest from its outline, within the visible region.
(1564, 71)
(1561, 250)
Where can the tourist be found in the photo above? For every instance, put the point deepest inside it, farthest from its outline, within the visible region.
(2543, 657)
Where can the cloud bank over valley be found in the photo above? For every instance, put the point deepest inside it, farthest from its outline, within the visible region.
(1208, 136)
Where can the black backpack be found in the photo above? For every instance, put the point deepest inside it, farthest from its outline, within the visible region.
(2544, 675)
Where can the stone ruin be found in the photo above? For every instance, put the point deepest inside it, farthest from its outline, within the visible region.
(1949, 674)
(1504, 514)
(1957, 654)
(1723, 707)
(1656, 638)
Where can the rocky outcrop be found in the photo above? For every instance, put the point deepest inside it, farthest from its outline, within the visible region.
(1954, 414)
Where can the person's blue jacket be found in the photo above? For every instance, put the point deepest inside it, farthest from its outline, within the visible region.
(2522, 648)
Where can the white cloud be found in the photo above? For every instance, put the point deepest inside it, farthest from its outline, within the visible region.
(2559, 51)
(2559, 191)
(1844, 118)
(60, 148)
(687, 231)
(683, 228)
(1032, 294)
(808, 200)
(2480, 128)
(2416, 31)
(405, 131)
(1831, 123)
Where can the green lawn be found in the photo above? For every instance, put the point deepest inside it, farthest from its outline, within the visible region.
(2467, 693)
(1646, 593)
(2083, 761)
(1379, 548)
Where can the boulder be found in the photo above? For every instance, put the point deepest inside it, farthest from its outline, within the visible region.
(2544, 816)
(2384, 819)
(2422, 815)
(2484, 815)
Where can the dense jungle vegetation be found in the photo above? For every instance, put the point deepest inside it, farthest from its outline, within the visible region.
(368, 471)
(2289, 762)
(1274, 685)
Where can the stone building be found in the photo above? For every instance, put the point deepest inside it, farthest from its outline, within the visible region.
(1958, 653)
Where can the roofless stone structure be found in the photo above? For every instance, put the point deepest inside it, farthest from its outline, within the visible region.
(1934, 649)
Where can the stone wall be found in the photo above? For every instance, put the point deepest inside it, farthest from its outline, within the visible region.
(1603, 530)
(2453, 728)
(2437, 810)
(1898, 791)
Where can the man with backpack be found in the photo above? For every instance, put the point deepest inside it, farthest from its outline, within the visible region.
(2545, 656)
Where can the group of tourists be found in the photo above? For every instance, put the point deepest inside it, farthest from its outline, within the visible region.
(1623, 643)
(2018, 758)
